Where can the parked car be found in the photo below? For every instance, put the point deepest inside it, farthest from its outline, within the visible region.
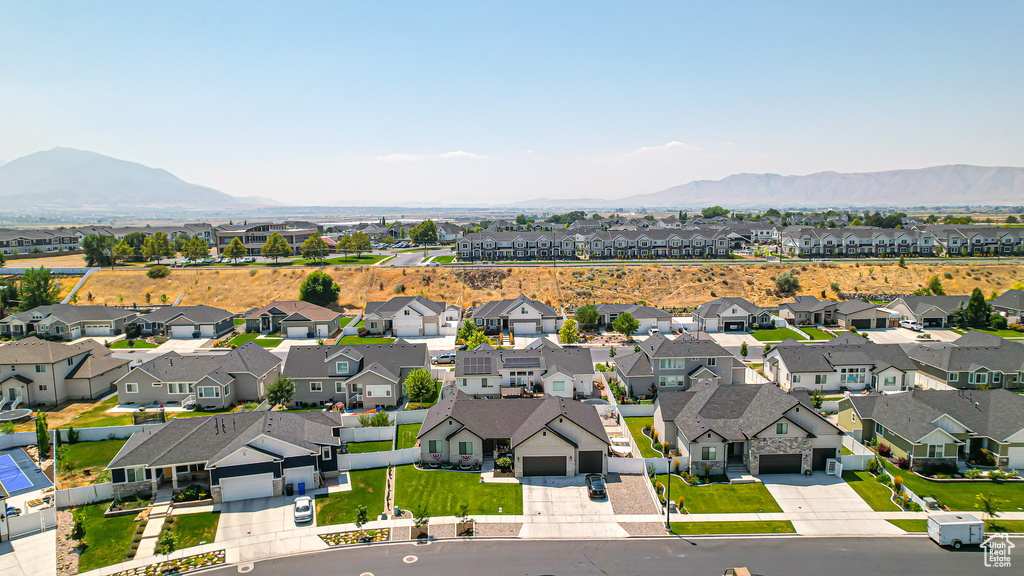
(303, 509)
(446, 358)
(595, 486)
(461, 347)
(249, 260)
(911, 325)
(653, 331)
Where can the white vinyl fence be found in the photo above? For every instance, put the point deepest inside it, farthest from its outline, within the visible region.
(17, 439)
(925, 381)
(627, 466)
(860, 457)
(350, 328)
(411, 416)
(374, 434)
(752, 377)
(377, 459)
(69, 497)
(352, 420)
(31, 523)
(104, 432)
(635, 409)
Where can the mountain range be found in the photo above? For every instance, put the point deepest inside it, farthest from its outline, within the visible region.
(70, 179)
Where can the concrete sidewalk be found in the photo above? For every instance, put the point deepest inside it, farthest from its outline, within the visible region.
(33, 555)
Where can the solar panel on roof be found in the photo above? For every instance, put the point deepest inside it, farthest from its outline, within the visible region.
(478, 365)
(528, 362)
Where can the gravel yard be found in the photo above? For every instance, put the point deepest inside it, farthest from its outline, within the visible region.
(644, 528)
(401, 533)
(442, 530)
(629, 495)
(498, 529)
(67, 555)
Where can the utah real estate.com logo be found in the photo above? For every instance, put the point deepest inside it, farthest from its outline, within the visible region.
(997, 551)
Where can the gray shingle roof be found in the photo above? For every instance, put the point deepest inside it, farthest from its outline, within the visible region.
(844, 350)
(199, 314)
(854, 306)
(1012, 299)
(317, 362)
(499, 308)
(636, 310)
(807, 304)
(295, 309)
(972, 351)
(634, 365)
(682, 346)
(948, 304)
(389, 308)
(32, 350)
(996, 413)
(549, 357)
(249, 357)
(719, 305)
(70, 314)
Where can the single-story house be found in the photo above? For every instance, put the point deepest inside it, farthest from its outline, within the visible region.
(293, 319)
(1010, 304)
(647, 316)
(67, 321)
(730, 315)
(846, 362)
(36, 372)
(930, 311)
(187, 322)
(542, 367)
(409, 316)
(550, 436)
(211, 381)
(367, 374)
(973, 360)
(864, 315)
(808, 310)
(756, 427)
(940, 426)
(679, 362)
(236, 456)
(521, 315)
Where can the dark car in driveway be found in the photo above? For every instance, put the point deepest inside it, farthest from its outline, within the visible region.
(595, 486)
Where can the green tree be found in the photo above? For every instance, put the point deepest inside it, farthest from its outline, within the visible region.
(978, 310)
(361, 519)
(989, 505)
(626, 325)
(136, 241)
(611, 352)
(787, 283)
(196, 249)
(319, 288)
(3, 260)
(476, 339)
(359, 243)
(714, 211)
(157, 247)
(424, 233)
(466, 331)
(935, 285)
(8, 296)
(122, 252)
(99, 250)
(42, 436)
(280, 391)
(344, 246)
(37, 288)
(587, 317)
(419, 385)
(314, 248)
(180, 241)
(166, 543)
(276, 247)
(568, 334)
(235, 249)
(743, 350)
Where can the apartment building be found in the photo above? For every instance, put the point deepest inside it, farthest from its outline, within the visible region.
(254, 236)
(606, 244)
(855, 241)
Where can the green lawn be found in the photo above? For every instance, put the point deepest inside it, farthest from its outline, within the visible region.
(98, 416)
(636, 425)
(341, 507)
(876, 495)
(355, 339)
(1001, 333)
(846, 451)
(344, 321)
(908, 525)
(407, 435)
(363, 447)
(194, 529)
(253, 337)
(443, 490)
(138, 344)
(817, 334)
(770, 527)
(775, 335)
(239, 322)
(108, 539)
(991, 526)
(722, 498)
(961, 495)
(444, 259)
(427, 402)
(76, 459)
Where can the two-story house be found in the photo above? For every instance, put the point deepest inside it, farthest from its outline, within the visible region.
(521, 315)
(730, 315)
(676, 363)
(974, 360)
(846, 362)
(543, 367)
(405, 316)
(36, 372)
(367, 374)
(67, 321)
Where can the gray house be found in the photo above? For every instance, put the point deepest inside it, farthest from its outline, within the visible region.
(293, 319)
(211, 381)
(846, 362)
(730, 315)
(371, 374)
(544, 437)
(236, 456)
(930, 311)
(67, 322)
(863, 315)
(808, 310)
(187, 322)
(974, 360)
(36, 372)
(1010, 304)
(676, 363)
(647, 316)
(744, 427)
(521, 315)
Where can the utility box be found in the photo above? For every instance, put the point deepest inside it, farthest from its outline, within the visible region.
(956, 530)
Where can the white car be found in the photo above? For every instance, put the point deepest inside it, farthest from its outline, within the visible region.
(653, 331)
(911, 325)
(303, 509)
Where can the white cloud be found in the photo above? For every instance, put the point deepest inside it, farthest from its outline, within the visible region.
(461, 154)
(673, 145)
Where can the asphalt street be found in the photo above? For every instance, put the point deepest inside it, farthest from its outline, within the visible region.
(676, 556)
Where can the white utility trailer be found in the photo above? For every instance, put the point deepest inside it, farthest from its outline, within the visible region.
(956, 530)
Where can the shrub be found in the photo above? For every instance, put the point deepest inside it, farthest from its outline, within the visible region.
(787, 283)
(503, 463)
(681, 501)
(997, 321)
(873, 466)
(658, 446)
(973, 473)
(903, 463)
(1016, 327)
(913, 506)
(167, 543)
(982, 457)
(884, 479)
(659, 487)
(884, 450)
(158, 271)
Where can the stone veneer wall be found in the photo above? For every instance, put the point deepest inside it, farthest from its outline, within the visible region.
(129, 489)
(760, 446)
(697, 466)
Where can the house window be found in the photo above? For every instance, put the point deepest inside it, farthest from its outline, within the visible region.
(209, 392)
(387, 392)
(483, 383)
(227, 389)
(709, 453)
(176, 387)
(134, 474)
(131, 388)
(853, 375)
(889, 381)
(339, 387)
(325, 452)
(821, 379)
(997, 377)
(782, 428)
(558, 386)
(341, 367)
(435, 446)
(935, 451)
(40, 367)
(42, 387)
(853, 417)
(405, 312)
(316, 387)
(879, 429)
(712, 361)
(953, 377)
(796, 378)
(465, 448)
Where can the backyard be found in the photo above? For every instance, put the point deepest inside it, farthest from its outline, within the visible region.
(870, 490)
(107, 539)
(961, 495)
(764, 527)
(138, 344)
(194, 529)
(428, 401)
(441, 491)
(816, 334)
(722, 498)
(341, 507)
(407, 435)
(636, 425)
(253, 337)
(82, 463)
(775, 335)
(364, 447)
(96, 415)
(355, 339)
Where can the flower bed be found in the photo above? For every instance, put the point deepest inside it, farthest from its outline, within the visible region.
(179, 566)
(356, 537)
(126, 507)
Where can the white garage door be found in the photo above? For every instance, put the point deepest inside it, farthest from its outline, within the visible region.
(1017, 458)
(76, 332)
(321, 331)
(182, 331)
(524, 328)
(430, 329)
(206, 331)
(297, 331)
(294, 476)
(245, 487)
(407, 331)
(97, 330)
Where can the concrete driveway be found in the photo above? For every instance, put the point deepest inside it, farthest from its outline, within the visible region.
(825, 505)
(736, 339)
(905, 336)
(559, 507)
(257, 517)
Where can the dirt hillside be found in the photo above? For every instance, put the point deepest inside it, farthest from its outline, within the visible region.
(669, 286)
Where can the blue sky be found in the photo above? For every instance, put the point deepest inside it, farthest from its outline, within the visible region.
(356, 103)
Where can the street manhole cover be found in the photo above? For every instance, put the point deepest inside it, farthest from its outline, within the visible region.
(409, 559)
(245, 568)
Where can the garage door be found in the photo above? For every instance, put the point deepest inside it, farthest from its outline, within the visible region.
(430, 329)
(820, 456)
(321, 331)
(932, 323)
(591, 462)
(295, 476)
(779, 464)
(406, 331)
(1016, 458)
(734, 326)
(206, 331)
(544, 466)
(97, 330)
(524, 328)
(245, 487)
(862, 324)
(297, 332)
(881, 322)
(182, 331)
(76, 332)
